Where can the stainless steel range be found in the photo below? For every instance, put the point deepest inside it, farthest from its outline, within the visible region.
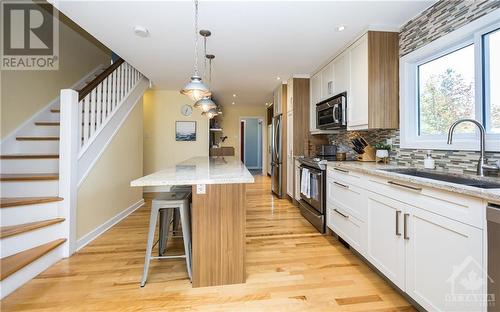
(312, 203)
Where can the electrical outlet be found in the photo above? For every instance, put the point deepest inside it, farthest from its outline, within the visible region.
(201, 188)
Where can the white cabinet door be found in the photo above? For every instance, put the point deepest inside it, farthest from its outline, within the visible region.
(357, 101)
(297, 180)
(444, 259)
(340, 74)
(315, 90)
(277, 98)
(289, 95)
(289, 153)
(327, 81)
(386, 245)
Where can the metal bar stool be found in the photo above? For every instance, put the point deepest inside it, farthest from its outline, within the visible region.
(168, 202)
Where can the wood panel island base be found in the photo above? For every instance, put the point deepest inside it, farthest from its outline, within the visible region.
(217, 215)
(218, 229)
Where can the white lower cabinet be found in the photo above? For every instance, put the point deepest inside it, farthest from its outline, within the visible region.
(386, 245)
(438, 260)
(444, 261)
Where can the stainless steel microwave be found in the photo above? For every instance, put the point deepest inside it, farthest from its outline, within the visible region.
(331, 113)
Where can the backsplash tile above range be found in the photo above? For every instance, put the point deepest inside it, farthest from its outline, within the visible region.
(452, 161)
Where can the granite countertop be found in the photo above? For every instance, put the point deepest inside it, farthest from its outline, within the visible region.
(199, 170)
(378, 170)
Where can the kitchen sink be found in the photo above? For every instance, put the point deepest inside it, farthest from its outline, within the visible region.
(484, 184)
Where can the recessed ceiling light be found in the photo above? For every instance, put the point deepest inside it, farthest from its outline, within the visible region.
(234, 95)
(141, 31)
(267, 104)
(340, 28)
(232, 103)
(278, 78)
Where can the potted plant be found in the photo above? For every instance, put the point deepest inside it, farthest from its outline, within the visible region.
(382, 152)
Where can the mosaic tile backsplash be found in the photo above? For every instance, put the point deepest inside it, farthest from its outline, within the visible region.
(452, 161)
(443, 17)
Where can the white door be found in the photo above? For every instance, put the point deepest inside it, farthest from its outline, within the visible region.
(269, 148)
(315, 90)
(289, 153)
(444, 258)
(340, 77)
(297, 180)
(327, 81)
(357, 117)
(386, 245)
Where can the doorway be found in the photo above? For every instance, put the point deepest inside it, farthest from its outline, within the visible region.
(251, 142)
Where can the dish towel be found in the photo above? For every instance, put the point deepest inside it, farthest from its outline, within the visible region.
(305, 183)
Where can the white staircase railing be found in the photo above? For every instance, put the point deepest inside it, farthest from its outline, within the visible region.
(90, 118)
(98, 104)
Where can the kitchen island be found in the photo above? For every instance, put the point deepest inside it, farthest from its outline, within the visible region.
(217, 215)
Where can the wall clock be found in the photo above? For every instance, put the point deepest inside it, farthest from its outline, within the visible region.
(186, 110)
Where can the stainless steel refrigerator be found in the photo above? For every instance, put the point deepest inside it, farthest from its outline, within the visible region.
(276, 163)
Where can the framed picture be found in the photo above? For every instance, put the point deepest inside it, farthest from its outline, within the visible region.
(185, 131)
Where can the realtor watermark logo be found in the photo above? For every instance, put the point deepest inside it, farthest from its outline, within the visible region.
(468, 286)
(30, 36)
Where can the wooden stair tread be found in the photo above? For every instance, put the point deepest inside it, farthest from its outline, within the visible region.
(29, 176)
(37, 138)
(47, 123)
(29, 156)
(6, 231)
(11, 264)
(23, 201)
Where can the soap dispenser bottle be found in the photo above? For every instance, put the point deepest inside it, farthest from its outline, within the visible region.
(429, 161)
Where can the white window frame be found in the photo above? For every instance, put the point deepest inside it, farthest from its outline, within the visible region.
(409, 107)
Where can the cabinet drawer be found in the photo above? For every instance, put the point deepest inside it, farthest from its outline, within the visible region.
(346, 226)
(346, 196)
(344, 175)
(466, 209)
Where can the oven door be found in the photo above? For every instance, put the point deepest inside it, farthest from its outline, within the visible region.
(316, 187)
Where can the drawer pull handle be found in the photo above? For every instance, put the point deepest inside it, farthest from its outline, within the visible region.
(340, 213)
(341, 170)
(398, 213)
(405, 186)
(342, 185)
(405, 230)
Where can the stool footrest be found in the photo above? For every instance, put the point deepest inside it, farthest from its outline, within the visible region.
(168, 257)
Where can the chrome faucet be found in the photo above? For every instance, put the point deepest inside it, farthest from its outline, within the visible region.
(482, 163)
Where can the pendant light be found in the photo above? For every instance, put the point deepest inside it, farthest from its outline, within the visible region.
(211, 113)
(206, 103)
(195, 89)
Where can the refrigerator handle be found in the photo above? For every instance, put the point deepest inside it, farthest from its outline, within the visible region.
(276, 147)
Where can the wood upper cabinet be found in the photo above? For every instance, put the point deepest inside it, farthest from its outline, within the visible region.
(373, 95)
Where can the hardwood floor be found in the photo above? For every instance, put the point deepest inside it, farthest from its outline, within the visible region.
(290, 267)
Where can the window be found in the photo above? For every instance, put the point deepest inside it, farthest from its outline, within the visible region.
(492, 79)
(456, 76)
(446, 92)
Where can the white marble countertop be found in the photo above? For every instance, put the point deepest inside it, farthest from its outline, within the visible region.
(492, 195)
(199, 170)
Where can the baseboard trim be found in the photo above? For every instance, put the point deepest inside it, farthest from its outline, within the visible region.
(89, 237)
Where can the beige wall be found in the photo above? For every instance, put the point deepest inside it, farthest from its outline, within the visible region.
(162, 108)
(106, 191)
(23, 93)
(230, 124)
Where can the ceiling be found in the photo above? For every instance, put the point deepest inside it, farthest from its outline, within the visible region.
(254, 41)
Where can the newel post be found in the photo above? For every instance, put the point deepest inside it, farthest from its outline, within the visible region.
(68, 165)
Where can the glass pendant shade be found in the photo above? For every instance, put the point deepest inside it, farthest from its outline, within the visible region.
(211, 113)
(205, 104)
(195, 89)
